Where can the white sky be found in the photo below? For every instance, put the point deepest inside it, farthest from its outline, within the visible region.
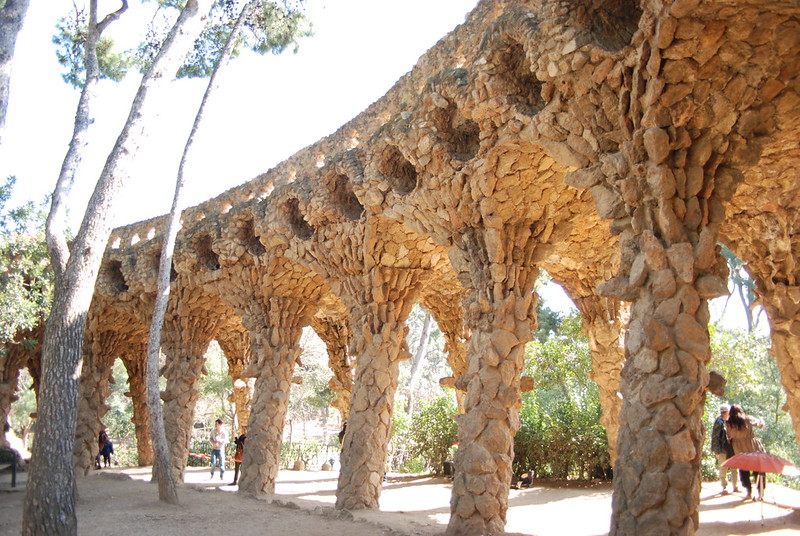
(266, 109)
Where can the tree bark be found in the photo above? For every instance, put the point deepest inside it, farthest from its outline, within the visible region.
(166, 483)
(419, 354)
(12, 15)
(50, 502)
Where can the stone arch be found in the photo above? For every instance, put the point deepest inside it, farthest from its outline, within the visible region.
(398, 171)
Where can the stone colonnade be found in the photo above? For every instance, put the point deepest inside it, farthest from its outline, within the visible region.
(612, 150)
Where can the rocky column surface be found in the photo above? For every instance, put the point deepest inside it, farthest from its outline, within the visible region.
(497, 271)
(93, 390)
(186, 337)
(379, 302)
(783, 308)
(335, 333)
(275, 351)
(137, 391)
(604, 326)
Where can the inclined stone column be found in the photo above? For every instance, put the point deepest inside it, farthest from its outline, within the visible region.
(137, 385)
(603, 326)
(16, 357)
(657, 475)
(500, 310)
(8, 395)
(236, 348)
(379, 303)
(186, 339)
(782, 303)
(451, 322)
(335, 333)
(93, 390)
(275, 351)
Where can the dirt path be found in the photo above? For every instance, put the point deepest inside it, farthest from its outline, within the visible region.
(123, 502)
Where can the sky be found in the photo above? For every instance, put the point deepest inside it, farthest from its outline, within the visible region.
(266, 108)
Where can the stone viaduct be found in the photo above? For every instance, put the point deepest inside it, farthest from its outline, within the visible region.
(613, 143)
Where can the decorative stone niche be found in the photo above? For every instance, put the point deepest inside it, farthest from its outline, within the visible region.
(113, 274)
(399, 172)
(205, 254)
(612, 26)
(295, 219)
(519, 82)
(345, 200)
(250, 239)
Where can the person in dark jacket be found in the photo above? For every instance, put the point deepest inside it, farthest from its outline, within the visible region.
(723, 450)
(238, 456)
(102, 441)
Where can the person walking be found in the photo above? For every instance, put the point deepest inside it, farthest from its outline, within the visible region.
(722, 449)
(102, 441)
(740, 433)
(219, 438)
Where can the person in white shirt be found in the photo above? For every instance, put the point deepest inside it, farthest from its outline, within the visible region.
(219, 438)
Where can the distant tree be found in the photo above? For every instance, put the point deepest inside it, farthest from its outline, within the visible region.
(434, 430)
(753, 381)
(26, 280)
(420, 375)
(548, 320)
(70, 40)
(22, 409)
(267, 26)
(560, 434)
(417, 358)
(743, 286)
(12, 15)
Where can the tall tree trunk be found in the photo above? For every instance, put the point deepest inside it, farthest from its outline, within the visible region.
(49, 501)
(12, 15)
(416, 363)
(167, 491)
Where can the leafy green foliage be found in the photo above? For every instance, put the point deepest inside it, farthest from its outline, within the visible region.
(548, 320)
(273, 27)
(743, 359)
(70, 39)
(26, 280)
(25, 405)
(560, 434)
(433, 431)
(216, 387)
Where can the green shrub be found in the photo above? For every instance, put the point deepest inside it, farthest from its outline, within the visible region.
(560, 434)
(433, 431)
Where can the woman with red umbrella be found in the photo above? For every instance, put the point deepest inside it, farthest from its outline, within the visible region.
(740, 433)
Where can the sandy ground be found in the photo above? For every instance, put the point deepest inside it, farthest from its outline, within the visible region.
(123, 502)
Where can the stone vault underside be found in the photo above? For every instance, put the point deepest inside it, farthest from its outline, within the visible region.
(612, 143)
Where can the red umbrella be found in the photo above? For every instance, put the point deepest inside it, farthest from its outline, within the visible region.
(762, 462)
